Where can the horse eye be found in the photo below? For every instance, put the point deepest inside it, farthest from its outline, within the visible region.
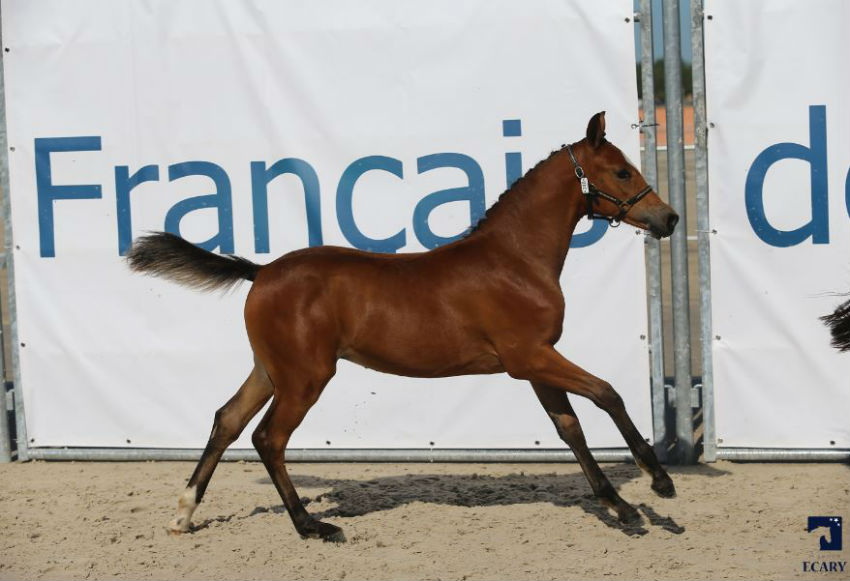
(624, 174)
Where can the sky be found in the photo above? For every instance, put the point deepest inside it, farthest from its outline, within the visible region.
(658, 31)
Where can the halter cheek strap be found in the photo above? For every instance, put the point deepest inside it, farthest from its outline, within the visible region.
(592, 193)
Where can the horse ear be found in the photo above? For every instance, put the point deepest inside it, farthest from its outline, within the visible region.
(596, 130)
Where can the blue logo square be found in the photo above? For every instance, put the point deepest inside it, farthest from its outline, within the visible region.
(832, 540)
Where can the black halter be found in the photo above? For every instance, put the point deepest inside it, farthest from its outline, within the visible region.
(591, 193)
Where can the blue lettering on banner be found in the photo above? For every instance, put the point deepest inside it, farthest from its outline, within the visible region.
(594, 234)
(847, 192)
(260, 178)
(220, 199)
(473, 193)
(513, 159)
(48, 192)
(124, 184)
(815, 154)
(345, 210)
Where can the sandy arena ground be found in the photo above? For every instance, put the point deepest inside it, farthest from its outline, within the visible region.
(417, 521)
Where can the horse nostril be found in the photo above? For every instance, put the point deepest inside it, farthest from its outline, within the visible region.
(672, 220)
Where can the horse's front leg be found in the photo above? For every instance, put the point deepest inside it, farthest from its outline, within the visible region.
(545, 366)
(560, 411)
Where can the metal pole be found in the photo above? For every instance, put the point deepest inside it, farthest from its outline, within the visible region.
(5, 432)
(20, 421)
(653, 245)
(419, 455)
(782, 455)
(679, 245)
(709, 439)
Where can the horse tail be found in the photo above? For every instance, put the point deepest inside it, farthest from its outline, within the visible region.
(839, 324)
(171, 257)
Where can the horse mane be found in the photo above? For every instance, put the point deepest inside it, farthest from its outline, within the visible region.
(515, 187)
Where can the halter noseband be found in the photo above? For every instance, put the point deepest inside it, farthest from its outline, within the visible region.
(591, 193)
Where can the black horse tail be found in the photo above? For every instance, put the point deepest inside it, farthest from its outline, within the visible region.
(839, 324)
(169, 256)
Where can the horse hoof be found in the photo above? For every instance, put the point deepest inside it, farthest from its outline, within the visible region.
(663, 487)
(325, 531)
(629, 515)
(333, 536)
(178, 526)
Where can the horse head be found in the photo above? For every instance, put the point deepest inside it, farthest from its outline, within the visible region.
(614, 188)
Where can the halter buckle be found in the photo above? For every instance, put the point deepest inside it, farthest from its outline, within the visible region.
(585, 185)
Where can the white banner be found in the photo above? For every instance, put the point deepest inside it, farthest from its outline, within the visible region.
(234, 124)
(779, 154)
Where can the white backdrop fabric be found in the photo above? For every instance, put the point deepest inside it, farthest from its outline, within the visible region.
(111, 358)
(779, 153)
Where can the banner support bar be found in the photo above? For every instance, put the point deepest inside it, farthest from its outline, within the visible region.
(653, 245)
(421, 455)
(684, 450)
(9, 294)
(709, 437)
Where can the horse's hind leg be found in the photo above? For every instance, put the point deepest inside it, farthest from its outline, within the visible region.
(295, 394)
(557, 405)
(229, 422)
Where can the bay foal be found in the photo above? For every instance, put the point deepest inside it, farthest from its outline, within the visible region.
(488, 303)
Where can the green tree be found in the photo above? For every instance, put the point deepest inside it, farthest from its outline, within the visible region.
(658, 78)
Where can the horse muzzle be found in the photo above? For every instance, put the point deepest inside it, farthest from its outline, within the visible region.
(662, 224)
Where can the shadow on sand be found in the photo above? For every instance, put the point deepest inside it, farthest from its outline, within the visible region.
(360, 497)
